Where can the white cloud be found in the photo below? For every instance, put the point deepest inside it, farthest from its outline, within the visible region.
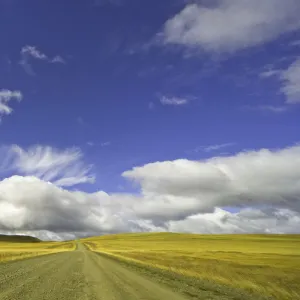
(251, 220)
(31, 52)
(177, 189)
(61, 167)
(175, 101)
(5, 97)
(291, 82)
(29, 204)
(230, 25)
(180, 195)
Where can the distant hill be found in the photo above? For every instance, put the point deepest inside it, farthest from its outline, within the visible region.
(18, 239)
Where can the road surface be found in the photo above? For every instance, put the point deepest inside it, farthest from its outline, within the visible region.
(80, 274)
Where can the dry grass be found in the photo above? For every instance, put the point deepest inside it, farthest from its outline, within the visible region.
(14, 251)
(265, 265)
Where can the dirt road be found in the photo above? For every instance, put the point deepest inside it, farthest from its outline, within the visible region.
(80, 274)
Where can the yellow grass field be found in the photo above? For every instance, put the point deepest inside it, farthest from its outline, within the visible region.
(262, 265)
(19, 250)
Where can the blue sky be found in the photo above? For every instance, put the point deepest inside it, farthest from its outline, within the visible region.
(130, 83)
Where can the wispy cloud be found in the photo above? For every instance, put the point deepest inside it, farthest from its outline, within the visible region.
(31, 52)
(269, 73)
(289, 79)
(291, 82)
(60, 167)
(175, 101)
(5, 97)
(107, 2)
(58, 59)
(295, 43)
(106, 144)
(277, 109)
(81, 121)
(212, 148)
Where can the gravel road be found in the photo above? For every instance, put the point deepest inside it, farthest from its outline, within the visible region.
(80, 274)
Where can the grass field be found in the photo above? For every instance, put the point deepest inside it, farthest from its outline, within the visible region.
(16, 248)
(265, 266)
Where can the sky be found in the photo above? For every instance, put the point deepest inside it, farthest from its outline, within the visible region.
(149, 115)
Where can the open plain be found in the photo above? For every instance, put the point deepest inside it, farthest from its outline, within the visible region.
(152, 266)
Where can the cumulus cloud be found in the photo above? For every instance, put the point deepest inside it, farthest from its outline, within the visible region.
(5, 97)
(32, 52)
(230, 25)
(175, 101)
(30, 204)
(183, 187)
(249, 220)
(182, 195)
(61, 167)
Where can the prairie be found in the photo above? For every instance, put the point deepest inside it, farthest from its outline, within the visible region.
(244, 266)
(15, 248)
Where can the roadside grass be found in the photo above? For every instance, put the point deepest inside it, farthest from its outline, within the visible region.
(10, 251)
(265, 266)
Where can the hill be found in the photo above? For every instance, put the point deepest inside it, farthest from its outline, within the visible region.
(18, 239)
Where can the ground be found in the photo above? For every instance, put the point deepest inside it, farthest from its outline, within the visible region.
(153, 266)
(80, 274)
